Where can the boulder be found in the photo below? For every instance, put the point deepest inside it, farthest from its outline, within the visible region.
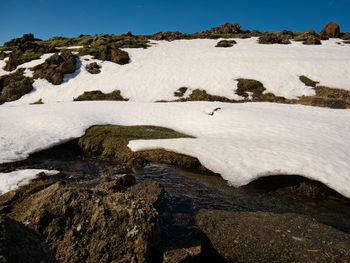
(98, 224)
(93, 68)
(331, 29)
(312, 40)
(274, 38)
(226, 43)
(227, 28)
(269, 237)
(14, 86)
(19, 41)
(115, 55)
(169, 35)
(309, 32)
(56, 66)
(21, 244)
(346, 36)
(99, 95)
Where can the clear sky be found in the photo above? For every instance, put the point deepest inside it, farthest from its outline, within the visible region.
(47, 18)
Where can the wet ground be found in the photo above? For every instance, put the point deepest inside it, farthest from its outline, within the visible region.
(188, 192)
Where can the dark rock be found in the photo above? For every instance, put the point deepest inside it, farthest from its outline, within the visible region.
(268, 237)
(180, 92)
(309, 32)
(93, 68)
(149, 191)
(19, 41)
(56, 66)
(94, 224)
(117, 184)
(273, 38)
(226, 43)
(227, 28)
(312, 40)
(190, 253)
(99, 95)
(346, 36)
(115, 55)
(347, 42)
(14, 86)
(19, 243)
(168, 35)
(331, 29)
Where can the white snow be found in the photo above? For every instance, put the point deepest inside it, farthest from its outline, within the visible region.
(11, 181)
(240, 141)
(70, 47)
(156, 72)
(26, 66)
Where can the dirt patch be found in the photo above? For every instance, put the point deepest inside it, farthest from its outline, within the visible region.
(99, 95)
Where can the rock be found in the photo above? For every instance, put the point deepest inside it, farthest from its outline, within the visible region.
(112, 54)
(169, 35)
(117, 184)
(268, 237)
(273, 38)
(93, 68)
(149, 191)
(19, 243)
(331, 29)
(180, 92)
(312, 40)
(14, 86)
(346, 36)
(309, 32)
(56, 66)
(189, 253)
(94, 224)
(347, 42)
(227, 28)
(99, 95)
(20, 41)
(226, 43)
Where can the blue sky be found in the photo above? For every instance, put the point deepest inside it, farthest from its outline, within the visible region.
(47, 18)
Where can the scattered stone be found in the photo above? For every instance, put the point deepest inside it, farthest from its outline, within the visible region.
(227, 28)
(331, 29)
(269, 237)
(14, 86)
(226, 43)
(56, 66)
(99, 95)
(93, 68)
(149, 191)
(19, 243)
(312, 40)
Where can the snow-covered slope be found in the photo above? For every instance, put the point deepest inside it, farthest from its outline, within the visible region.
(156, 72)
(239, 141)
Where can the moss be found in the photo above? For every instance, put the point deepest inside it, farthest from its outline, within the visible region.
(111, 142)
(307, 81)
(226, 43)
(99, 95)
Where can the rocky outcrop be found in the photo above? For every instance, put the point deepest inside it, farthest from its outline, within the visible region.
(21, 244)
(168, 35)
(331, 29)
(93, 68)
(268, 237)
(227, 28)
(275, 38)
(100, 224)
(14, 86)
(99, 95)
(56, 66)
(312, 40)
(20, 41)
(226, 43)
(115, 55)
(346, 36)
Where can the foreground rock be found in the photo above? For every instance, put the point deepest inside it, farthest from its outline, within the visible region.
(331, 29)
(19, 243)
(14, 86)
(268, 237)
(100, 224)
(56, 66)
